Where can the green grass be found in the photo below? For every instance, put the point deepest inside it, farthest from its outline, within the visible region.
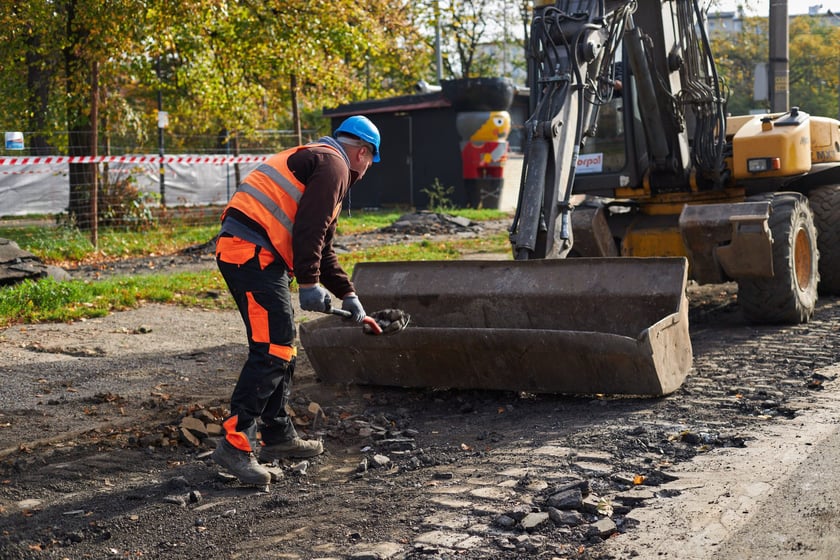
(50, 301)
(68, 245)
(47, 300)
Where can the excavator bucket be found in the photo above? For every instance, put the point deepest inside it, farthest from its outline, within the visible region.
(574, 326)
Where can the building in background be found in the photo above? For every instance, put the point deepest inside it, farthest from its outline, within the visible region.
(420, 148)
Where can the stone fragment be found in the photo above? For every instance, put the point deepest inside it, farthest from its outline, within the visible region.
(31, 503)
(565, 518)
(581, 484)
(528, 543)
(275, 472)
(188, 437)
(505, 544)
(533, 521)
(177, 500)
(519, 512)
(205, 416)
(567, 499)
(214, 430)
(194, 425)
(627, 479)
(380, 461)
(635, 496)
(602, 528)
(505, 522)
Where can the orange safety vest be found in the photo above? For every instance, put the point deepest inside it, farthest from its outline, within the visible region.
(269, 195)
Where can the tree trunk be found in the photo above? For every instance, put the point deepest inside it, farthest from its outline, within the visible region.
(38, 75)
(79, 138)
(293, 87)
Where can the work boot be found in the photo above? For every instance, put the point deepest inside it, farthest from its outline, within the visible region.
(295, 447)
(242, 464)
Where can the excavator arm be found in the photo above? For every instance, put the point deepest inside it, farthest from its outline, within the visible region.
(568, 43)
(574, 64)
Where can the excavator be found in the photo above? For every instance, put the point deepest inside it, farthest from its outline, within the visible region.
(635, 180)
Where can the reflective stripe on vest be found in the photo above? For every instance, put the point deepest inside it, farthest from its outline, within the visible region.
(269, 195)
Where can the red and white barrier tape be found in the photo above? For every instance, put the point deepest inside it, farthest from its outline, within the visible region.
(47, 160)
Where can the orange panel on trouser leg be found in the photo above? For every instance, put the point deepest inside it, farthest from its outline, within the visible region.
(237, 439)
(258, 317)
(284, 352)
(234, 250)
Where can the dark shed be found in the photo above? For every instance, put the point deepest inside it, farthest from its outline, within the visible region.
(420, 145)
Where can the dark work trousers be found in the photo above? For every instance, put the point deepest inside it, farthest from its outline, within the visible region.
(260, 285)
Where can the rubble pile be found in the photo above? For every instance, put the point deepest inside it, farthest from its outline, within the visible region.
(431, 223)
(17, 265)
(588, 504)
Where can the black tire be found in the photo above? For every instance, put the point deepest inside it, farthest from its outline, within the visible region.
(790, 296)
(825, 203)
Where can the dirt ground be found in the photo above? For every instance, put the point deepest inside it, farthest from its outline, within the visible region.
(94, 462)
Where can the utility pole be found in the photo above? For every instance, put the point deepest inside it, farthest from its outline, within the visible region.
(94, 124)
(779, 63)
(163, 120)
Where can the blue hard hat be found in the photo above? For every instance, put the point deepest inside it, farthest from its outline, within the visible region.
(361, 128)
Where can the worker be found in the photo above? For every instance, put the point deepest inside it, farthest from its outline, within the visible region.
(279, 224)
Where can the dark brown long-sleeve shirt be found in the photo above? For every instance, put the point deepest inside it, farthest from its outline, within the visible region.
(328, 178)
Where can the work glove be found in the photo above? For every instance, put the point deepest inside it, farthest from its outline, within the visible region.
(315, 298)
(352, 304)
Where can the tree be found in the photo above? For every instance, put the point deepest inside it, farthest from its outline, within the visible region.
(237, 65)
(736, 58)
(813, 78)
(477, 37)
(29, 56)
(814, 65)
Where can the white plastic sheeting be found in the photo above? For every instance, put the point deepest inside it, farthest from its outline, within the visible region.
(45, 188)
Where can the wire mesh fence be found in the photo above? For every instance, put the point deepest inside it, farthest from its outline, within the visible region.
(134, 183)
